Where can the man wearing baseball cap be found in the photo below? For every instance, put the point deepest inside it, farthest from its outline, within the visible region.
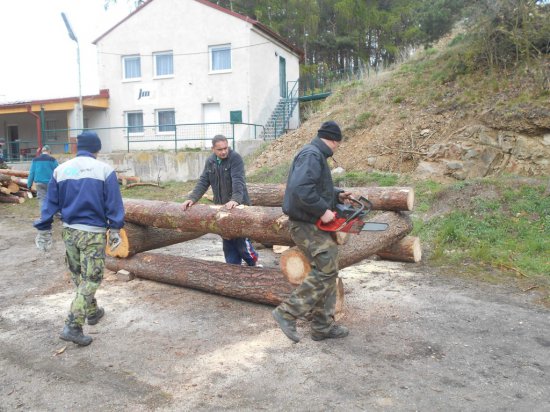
(41, 172)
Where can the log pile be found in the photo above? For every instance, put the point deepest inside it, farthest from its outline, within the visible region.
(154, 224)
(13, 186)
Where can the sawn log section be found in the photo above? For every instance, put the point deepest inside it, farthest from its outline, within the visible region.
(260, 285)
(136, 238)
(263, 224)
(295, 265)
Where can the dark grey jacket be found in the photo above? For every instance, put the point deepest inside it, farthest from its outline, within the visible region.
(227, 180)
(309, 188)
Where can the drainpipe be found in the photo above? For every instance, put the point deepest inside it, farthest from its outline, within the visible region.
(38, 126)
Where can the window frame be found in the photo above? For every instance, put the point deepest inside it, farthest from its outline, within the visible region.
(219, 47)
(155, 66)
(131, 128)
(126, 59)
(171, 125)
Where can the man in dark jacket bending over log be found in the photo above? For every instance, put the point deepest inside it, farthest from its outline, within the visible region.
(310, 195)
(224, 172)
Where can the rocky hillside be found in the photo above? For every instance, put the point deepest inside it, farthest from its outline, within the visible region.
(423, 119)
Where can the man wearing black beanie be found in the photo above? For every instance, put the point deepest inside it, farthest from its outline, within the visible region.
(310, 195)
(87, 194)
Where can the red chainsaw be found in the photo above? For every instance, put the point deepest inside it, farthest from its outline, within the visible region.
(350, 219)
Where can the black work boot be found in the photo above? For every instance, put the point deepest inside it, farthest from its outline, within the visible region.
(335, 332)
(92, 320)
(74, 334)
(287, 326)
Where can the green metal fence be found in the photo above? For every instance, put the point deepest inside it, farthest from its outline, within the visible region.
(176, 137)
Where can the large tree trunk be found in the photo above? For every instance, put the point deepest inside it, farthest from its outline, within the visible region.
(18, 173)
(382, 198)
(263, 224)
(11, 199)
(136, 238)
(405, 250)
(260, 285)
(295, 265)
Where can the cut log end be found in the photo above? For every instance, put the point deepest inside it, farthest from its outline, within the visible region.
(294, 265)
(410, 200)
(123, 250)
(407, 249)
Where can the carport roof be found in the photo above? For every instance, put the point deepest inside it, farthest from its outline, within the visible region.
(97, 101)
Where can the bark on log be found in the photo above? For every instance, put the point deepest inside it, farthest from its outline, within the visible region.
(407, 250)
(262, 224)
(124, 180)
(24, 194)
(5, 179)
(11, 199)
(260, 285)
(266, 195)
(20, 181)
(136, 238)
(382, 198)
(295, 265)
(18, 173)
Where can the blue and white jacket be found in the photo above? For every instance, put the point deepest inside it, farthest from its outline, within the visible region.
(42, 169)
(87, 194)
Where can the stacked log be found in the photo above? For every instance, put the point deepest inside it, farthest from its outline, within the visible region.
(13, 188)
(382, 198)
(259, 285)
(154, 224)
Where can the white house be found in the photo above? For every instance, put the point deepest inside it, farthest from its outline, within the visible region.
(173, 65)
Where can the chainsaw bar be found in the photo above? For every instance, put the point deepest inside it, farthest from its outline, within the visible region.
(374, 227)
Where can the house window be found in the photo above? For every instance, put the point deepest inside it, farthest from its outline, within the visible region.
(134, 122)
(132, 67)
(220, 58)
(51, 132)
(166, 120)
(164, 64)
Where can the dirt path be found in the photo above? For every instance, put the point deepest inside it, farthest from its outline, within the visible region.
(419, 341)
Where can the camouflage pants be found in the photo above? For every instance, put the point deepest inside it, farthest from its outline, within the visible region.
(317, 293)
(86, 260)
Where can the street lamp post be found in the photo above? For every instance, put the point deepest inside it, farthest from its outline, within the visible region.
(80, 113)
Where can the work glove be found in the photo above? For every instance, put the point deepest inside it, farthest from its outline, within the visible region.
(114, 239)
(43, 240)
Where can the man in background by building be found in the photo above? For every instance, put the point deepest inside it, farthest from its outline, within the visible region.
(87, 194)
(3, 164)
(310, 196)
(224, 172)
(41, 172)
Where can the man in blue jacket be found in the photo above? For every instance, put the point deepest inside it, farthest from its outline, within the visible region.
(224, 172)
(87, 194)
(41, 172)
(310, 196)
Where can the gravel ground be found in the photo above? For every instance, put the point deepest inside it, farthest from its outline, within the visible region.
(420, 340)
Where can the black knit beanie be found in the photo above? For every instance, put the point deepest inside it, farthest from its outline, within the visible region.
(88, 141)
(330, 131)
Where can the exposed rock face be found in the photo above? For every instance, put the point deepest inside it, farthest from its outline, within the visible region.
(481, 151)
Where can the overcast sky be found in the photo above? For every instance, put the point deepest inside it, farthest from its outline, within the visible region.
(39, 60)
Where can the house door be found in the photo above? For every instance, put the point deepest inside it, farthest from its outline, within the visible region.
(211, 116)
(13, 142)
(282, 76)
